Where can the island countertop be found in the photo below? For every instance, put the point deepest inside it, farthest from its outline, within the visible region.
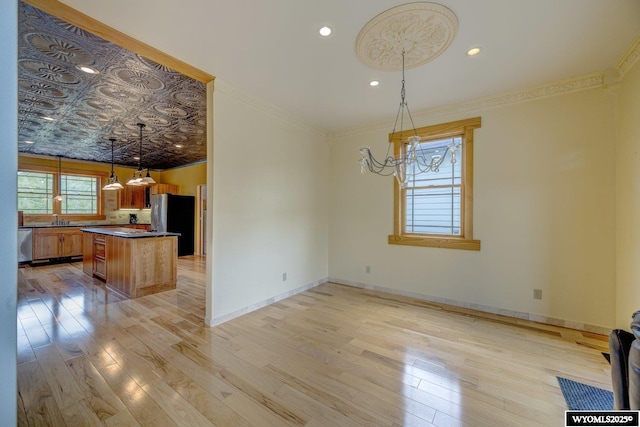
(129, 233)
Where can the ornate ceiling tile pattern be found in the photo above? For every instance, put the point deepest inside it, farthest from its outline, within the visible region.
(423, 30)
(88, 109)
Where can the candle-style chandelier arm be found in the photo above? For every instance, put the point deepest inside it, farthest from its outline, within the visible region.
(367, 160)
(431, 163)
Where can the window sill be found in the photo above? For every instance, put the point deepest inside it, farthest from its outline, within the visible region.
(435, 242)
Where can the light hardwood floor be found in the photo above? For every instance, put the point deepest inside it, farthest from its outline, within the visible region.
(331, 356)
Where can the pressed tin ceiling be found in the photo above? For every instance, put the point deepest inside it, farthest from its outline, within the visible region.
(88, 109)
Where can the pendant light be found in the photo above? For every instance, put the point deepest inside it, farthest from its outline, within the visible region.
(58, 197)
(137, 178)
(113, 183)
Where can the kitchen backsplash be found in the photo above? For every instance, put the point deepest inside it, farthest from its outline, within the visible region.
(113, 217)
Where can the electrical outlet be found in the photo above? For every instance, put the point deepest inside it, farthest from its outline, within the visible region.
(284, 277)
(368, 269)
(537, 294)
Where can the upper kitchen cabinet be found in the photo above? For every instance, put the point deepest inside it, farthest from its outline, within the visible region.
(133, 197)
(165, 188)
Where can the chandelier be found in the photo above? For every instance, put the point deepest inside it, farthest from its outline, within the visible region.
(113, 183)
(414, 160)
(137, 179)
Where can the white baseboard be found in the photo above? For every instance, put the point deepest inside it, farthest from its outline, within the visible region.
(225, 318)
(479, 307)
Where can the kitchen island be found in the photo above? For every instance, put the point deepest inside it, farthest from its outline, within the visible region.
(132, 262)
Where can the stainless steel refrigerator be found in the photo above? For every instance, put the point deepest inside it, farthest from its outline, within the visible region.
(176, 214)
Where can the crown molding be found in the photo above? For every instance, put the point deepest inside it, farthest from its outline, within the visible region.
(574, 84)
(227, 89)
(630, 57)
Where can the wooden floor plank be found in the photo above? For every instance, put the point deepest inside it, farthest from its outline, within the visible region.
(331, 356)
(36, 398)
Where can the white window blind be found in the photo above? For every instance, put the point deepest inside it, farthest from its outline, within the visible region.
(434, 199)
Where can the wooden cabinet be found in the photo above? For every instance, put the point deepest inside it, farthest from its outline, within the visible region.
(99, 257)
(57, 242)
(111, 200)
(133, 197)
(164, 188)
(132, 267)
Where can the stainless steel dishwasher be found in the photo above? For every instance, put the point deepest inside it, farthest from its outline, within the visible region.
(25, 244)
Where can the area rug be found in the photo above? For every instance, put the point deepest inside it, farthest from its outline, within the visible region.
(583, 397)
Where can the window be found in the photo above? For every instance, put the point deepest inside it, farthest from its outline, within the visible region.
(80, 195)
(37, 186)
(35, 192)
(433, 198)
(436, 208)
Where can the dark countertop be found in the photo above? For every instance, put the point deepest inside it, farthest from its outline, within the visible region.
(128, 233)
(80, 225)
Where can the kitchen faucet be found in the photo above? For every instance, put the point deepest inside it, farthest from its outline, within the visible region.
(57, 220)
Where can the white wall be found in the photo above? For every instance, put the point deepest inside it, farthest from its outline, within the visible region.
(269, 203)
(544, 211)
(8, 209)
(628, 200)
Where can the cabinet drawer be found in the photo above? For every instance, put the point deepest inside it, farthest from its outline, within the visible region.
(99, 268)
(99, 250)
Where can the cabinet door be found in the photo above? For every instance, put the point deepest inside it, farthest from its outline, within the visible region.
(164, 188)
(46, 243)
(132, 197)
(71, 242)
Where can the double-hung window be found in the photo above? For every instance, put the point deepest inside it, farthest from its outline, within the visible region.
(80, 191)
(80, 195)
(435, 208)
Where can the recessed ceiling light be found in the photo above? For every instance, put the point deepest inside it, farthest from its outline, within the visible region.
(178, 146)
(136, 158)
(325, 31)
(88, 70)
(374, 83)
(47, 118)
(28, 142)
(474, 51)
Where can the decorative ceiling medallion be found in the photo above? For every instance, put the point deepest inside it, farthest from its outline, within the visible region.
(423, 30)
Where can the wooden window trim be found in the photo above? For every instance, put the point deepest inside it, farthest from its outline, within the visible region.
(465, 241)
(102, 176)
